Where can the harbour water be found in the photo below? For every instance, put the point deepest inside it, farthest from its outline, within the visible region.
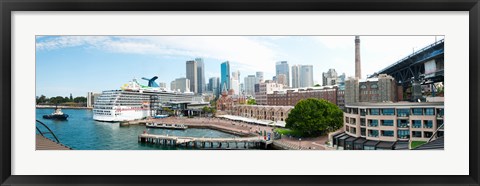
(81, 132)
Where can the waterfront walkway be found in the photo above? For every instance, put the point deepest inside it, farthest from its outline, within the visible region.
(286, 142)
(43, 143)
(201, 142)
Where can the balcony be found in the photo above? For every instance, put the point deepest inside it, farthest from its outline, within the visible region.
(373, 125)
(403, 125)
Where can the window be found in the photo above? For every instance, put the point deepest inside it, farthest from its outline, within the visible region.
(373, 133)
(347, 119)
(362, 121)
(403, 134)
(363, 87)
(416, 134)
(372, 123)
(429, 111)
(427, 124)
(440, 123)
(416, 123)
(388, 112)
(417, 111)
(388, 133)
(387, 122)
(353, 130)
(363, 112)
(403, 112)
(374, 111)
(368, 147)
(440, 112)
(402, 123)
(362, 131)
(374, 86)
(427, 134)
(353, 121)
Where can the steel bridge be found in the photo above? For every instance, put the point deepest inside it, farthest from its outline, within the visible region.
(424, 66)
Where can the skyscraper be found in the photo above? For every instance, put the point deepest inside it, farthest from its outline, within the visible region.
(200, 75)
(306, 76)
(358, 71)
(259, 77)
(296, 76)
(225, 76)
(235, 82)
(180, 84)
(330, 77)
(214, 85)
(192, 75)
(282, 68)
(249, 83)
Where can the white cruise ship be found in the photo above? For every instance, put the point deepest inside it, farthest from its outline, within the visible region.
(133, 101)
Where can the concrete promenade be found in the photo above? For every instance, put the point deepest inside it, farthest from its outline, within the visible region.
(246, 129)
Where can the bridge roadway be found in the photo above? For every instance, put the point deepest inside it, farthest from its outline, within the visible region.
(256, 141)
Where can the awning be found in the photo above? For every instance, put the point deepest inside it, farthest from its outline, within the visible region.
(370, 143)
(401, 145)
(360, 141)
(385, 145)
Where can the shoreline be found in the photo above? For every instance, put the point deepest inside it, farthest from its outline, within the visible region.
(62, 107)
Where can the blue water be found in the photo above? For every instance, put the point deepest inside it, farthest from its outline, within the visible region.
(81, 132)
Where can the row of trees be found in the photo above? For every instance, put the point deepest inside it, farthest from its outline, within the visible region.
(43, 100)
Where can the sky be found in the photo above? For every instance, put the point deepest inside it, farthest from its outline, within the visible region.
(81, 64)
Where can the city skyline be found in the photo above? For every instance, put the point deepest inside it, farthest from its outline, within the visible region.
(107, 62)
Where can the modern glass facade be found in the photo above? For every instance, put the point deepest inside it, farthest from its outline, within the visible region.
(282, 68)
(225, 76)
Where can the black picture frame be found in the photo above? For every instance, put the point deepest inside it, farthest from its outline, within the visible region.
(8, 6)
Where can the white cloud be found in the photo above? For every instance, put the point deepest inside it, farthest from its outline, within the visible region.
(248, 52)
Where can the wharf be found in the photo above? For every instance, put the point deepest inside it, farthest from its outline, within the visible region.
(43, 143)
(203, 142)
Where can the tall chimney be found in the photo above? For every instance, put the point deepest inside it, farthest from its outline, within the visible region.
(358, 71)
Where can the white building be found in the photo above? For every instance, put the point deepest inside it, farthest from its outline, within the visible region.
(268, 87)
(306, 76)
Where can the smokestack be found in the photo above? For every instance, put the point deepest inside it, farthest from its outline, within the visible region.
(358, 71)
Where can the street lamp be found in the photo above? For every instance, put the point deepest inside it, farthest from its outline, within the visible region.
(299, 143)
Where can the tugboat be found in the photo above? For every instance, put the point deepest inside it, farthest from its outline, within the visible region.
(57, 115)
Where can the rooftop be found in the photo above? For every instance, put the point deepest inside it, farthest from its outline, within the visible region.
(390, 104)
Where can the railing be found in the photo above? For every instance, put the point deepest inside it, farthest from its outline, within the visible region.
(435, 133)
(50, 131)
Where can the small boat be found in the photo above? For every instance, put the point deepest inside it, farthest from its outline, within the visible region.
(57, 115)
(160, 116)
(167, 126)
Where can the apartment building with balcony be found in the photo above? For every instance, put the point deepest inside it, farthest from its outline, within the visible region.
(390, 123)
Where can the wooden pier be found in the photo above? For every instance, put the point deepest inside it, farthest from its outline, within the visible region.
(43, 143)
(204, 143)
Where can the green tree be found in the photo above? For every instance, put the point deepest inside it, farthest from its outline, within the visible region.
(251, 102)
(313, 117)
(41, 99)
(80, 99)
(317, 85)
(71, 98)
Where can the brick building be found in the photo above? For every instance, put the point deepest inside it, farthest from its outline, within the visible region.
(291, 97)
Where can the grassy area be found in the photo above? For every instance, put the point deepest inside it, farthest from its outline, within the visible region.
(415, 144)
(288, 132)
